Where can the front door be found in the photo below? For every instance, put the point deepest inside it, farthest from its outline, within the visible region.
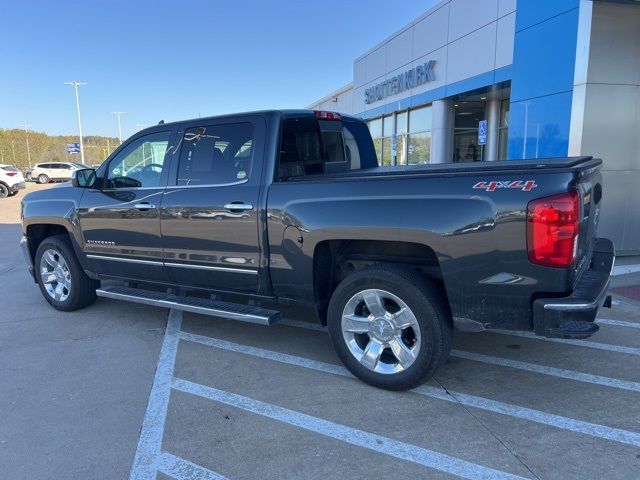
(121, 221)
(210, 213)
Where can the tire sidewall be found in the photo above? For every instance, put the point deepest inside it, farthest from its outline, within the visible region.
(4, 191)
(425, 309)
(42, 178)
(77, 275)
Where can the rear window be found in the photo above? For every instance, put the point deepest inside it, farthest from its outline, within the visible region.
(310, 147)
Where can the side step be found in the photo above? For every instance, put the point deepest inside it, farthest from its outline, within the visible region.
(203, 306)
(574, 329)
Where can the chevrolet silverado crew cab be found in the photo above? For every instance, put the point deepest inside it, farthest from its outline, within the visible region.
(291, 207)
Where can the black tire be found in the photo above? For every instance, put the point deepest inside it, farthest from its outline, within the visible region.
(4, 191)
(11, 194)
(425, 299)
(83, 289)
(42, 178)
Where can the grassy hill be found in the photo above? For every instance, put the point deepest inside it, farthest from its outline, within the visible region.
(46, 148)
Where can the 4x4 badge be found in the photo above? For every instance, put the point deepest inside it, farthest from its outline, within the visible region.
(524, 185)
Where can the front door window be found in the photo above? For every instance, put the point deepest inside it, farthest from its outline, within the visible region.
(139, 164)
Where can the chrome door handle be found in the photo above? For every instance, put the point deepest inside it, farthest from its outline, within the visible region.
(238, 206)
(144, 206)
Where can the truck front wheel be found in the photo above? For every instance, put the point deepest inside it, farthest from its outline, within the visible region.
(390, 326)
(62, 281)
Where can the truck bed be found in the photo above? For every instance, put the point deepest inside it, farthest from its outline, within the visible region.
(504, 166)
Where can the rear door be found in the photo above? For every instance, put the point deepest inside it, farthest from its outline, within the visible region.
(209, 210)
(121, 221)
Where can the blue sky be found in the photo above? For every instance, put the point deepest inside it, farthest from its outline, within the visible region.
(173, 60)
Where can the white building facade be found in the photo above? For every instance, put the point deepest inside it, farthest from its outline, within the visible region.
(485, 80)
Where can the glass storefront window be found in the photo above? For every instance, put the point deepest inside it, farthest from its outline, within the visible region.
(419, 138)
(375, 127)
(401, 153)
(377, 145)
(420, 120)
(387, 129)
(419, 149)
(503, 129)
(387, 159)
(401, 123)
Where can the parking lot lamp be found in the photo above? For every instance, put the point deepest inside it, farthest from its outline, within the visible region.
(75, 85)
(118, 114)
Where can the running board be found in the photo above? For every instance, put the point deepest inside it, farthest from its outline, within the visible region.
(203, 306)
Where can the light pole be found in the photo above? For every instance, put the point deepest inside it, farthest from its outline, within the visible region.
(26, 132)
(13, 150)
(75, 85)
(118, 114)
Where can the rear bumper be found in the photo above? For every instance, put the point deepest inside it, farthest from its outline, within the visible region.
(573, 316)
(17, 186)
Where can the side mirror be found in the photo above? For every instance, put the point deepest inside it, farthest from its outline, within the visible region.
(84, 178)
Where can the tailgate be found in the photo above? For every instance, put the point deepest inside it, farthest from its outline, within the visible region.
(589, 185)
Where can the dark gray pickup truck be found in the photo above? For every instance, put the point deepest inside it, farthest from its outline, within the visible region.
(290, 207)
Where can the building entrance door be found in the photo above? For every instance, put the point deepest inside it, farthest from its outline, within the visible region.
(467, 116)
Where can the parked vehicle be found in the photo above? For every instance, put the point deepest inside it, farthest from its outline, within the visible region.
(55, 171)
(391, 259)
(11, 180)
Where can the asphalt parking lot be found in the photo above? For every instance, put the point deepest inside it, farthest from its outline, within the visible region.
(126, 391)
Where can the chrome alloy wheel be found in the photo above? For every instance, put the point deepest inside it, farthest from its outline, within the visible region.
(55, 275)
(381, 331)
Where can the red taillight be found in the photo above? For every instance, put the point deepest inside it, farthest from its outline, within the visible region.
(553, 226)
(328, 115)
(11, 174)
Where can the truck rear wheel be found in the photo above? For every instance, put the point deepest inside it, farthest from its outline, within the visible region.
(390, 326)
(60, 277)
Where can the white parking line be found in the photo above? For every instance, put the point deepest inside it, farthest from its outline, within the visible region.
(150, 442)
(513, 333)
(149, 459)
(537, 416)
(569, 341)
(530, 367)
(181, 469)
(360, 438)
(618, 323)
(551, 371)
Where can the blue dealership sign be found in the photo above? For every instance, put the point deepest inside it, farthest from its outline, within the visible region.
(482, 132)
(73, 148)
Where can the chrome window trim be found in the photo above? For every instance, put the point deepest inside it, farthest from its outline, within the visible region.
(239, 182)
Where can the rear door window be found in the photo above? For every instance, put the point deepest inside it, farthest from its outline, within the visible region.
(216, 154)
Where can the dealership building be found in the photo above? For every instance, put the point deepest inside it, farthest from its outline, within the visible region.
(485, 80)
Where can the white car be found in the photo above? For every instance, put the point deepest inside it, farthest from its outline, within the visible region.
(47, 172)
(11, 180)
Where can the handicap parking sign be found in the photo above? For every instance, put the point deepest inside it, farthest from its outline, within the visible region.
(482, 132)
